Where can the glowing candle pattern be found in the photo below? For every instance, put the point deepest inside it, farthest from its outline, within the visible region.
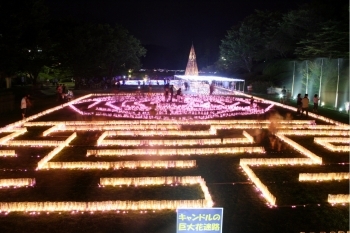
(70, 206)
(338, 198)
(49, 156)
(5, 139)
(326, 142)
(121, 164)
(5, 153)
(17, 182)
(190, 113)
(171, 152)
(324, 176)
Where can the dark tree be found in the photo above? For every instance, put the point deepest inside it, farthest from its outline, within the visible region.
(95, 50)
(24, 43)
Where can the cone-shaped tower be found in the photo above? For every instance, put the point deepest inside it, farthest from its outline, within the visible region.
(192, 68)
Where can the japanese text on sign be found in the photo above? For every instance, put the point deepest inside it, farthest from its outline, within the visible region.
(197, 220)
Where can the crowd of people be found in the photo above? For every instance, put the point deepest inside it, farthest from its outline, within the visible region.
(169, 92)
(303, 104)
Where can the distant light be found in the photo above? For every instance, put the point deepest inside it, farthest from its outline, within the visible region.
(340, 109)
(281, 95)
(322, 104)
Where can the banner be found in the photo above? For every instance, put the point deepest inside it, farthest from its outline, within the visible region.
(199, 220)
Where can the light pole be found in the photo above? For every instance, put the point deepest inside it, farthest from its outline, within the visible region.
(319, 90)
(293, 80)
(307, 77)
(336, 94)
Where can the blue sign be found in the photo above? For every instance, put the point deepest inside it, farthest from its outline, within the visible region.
(199, 220)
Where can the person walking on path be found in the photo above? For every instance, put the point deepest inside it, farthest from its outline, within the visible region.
(59, 92)
(316, 99)
(305, 105)
(299, 104)
(24, 107)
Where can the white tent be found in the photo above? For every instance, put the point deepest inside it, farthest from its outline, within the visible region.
(210, 79)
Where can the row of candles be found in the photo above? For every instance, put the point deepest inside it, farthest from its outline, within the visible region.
(175, 142)
(33, 143)
(88, 127)
(324, 176)
(188, 122)
(232, 122)
(298, 147)
(162, 180)
(55, 128)
(176, 109)
(144, 181)
(172, 152)
(326, 142)
(17, 182)
(102, 205)
(316, 132)
(6, 153)
(162, 133)
(86, 165)
(14, 134)
(338, 198)
(257, 182)
(275, 161)
(55, 151)
(112, 205)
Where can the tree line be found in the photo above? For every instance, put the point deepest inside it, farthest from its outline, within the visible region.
(317, 29)
(31, 41)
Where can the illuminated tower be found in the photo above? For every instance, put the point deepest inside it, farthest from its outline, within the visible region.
(192, 68)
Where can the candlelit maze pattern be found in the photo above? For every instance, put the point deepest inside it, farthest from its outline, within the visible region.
(159, 126)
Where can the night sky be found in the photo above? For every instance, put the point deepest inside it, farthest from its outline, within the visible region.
(167, 28)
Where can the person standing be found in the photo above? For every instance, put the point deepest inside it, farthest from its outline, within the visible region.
(299, 104)
(24, 107)
(316, 99)
(59, 92)
(211, 88)
(305, 105)
(284, 95)
(171, 89)
(251, 101)
(179, 95)
(166, 95)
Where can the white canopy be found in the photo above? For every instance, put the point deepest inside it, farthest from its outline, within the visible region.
(208, 78)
